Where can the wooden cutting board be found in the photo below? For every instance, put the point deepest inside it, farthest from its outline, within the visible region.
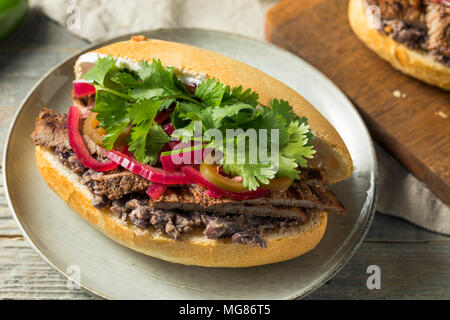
(414, 127)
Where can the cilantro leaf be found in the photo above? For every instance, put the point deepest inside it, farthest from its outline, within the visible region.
(156, 141)
(125, 79)
(267, 119)
(252, 173)
(248, 96)
(298, 146)
(287, 167)
(210, 92)
(154, 75)
(167, 103)
(283, 108)
(138, 142)
(144, 110)
(231, 108)
(194, 112)
(112, 115)
(98, 72)
(146, 142)
(144, 93)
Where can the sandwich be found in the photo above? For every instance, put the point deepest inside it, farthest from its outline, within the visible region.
(192, 157)
(412, 35)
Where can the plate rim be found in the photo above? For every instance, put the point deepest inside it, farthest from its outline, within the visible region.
(374, 176)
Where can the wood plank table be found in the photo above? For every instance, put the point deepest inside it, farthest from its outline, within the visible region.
(414, 263)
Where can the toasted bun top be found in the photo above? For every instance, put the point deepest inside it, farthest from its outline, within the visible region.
(332, 154)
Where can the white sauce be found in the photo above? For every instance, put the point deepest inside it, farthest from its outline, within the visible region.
(87, 60)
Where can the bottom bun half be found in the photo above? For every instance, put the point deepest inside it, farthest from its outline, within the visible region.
(194, 248)
(416, 63)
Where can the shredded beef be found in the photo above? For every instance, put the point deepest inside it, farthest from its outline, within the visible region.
(239, 228)
(411, 36)
(419, 24)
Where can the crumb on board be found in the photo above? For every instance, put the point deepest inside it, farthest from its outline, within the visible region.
(398, 94)
(441, 114)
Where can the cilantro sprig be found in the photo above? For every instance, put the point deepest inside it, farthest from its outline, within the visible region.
(132, 99)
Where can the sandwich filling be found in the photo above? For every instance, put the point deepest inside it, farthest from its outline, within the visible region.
(419, 24)
(131, 126)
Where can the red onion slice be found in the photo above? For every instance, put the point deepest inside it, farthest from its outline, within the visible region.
(77, 144)
(148, 172)
(156, 190)
(82, 88)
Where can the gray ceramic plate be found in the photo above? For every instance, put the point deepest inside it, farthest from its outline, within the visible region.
(113, 271)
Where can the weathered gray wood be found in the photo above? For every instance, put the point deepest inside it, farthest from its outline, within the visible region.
(408, 271)
(417, 270)
(387, 228)
(414, 262)
(24, 275)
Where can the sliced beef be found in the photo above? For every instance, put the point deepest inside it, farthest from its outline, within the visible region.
(410, 11)
(51, 130)
(287, 204)
(116, 184)
(438, 23)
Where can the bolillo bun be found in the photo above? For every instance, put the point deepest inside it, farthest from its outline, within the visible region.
(416, 63)
(194, 248)
(332, 154)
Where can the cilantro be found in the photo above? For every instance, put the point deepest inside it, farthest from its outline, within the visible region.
(145, 93)
(287, 167)
(143, 113)
(229, 109)
(146, 142)
(241, 165)
(252, 174)
(100, 70)
(126, 79)
(247, 96)
(112, 115)
(298, 146)
(210, 92)
(132, 99)
(283, 108)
